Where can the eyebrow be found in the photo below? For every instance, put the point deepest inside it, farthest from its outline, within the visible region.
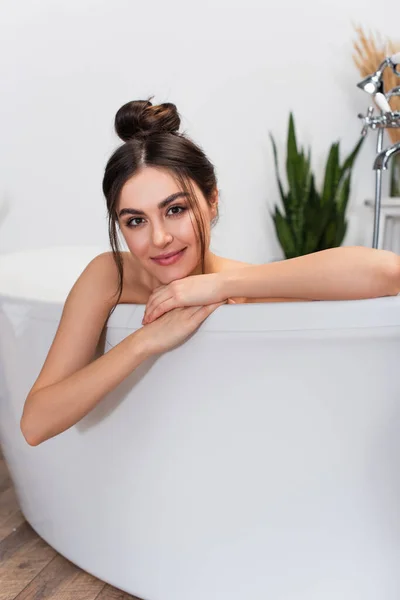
(162, 204)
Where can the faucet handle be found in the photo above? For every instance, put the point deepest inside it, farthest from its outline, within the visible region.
(395, 58)
(382, 103)
(366, 120)
(364, 130)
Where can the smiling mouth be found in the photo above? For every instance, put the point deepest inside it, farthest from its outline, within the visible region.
(169, 259)
(162, 256)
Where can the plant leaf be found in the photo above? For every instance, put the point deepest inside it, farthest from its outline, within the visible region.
(292, 160)
(340, 233)
(284, 234)
(275, 153)
(348, 163)
(332, 174)
(342, 194)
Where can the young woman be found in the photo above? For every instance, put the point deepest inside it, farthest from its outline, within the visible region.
(161, 193)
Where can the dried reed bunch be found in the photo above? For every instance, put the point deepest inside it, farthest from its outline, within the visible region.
(370, 51)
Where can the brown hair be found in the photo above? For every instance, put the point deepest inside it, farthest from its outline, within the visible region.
(152, 139)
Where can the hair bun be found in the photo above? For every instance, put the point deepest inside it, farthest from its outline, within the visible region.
(140, 117)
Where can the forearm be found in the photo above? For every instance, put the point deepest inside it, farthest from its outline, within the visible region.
(55, 408)
(343, 273)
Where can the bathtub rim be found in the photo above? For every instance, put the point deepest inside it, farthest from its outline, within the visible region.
(254, 317)
(304, 316)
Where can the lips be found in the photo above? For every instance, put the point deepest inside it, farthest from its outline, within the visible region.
(169, 259)
(161, 257)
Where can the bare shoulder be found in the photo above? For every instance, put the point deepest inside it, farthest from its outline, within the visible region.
(85, 313)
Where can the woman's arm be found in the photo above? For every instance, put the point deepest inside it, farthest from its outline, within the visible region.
(72, 382)
(55, 408)
(344, 273)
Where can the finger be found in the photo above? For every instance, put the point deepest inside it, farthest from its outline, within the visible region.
(153, 302)
(159, 310)
(216, 304)
(157, 292)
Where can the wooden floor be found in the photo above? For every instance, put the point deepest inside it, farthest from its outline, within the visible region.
(30, 569)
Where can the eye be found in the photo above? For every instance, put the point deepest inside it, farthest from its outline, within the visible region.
(133, 224)
(181, 208)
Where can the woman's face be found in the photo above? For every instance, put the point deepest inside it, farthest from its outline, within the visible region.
(151, 229)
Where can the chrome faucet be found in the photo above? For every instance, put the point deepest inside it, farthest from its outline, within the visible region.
(393, 92)
(381, 161)
(373, 85)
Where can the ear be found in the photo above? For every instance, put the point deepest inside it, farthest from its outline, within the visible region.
(214, 199)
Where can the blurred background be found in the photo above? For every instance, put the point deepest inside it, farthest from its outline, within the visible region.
(234, 70)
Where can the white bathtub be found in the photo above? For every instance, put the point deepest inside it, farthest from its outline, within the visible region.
(260, 460)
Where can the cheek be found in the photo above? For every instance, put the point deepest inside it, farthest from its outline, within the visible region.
(186, 231)
(136, 243)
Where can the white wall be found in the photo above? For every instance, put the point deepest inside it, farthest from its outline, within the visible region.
(234, 70)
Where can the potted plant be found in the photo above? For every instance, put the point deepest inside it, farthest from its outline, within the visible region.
(312, 220)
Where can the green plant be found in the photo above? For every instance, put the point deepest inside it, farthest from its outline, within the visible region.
(312, 221)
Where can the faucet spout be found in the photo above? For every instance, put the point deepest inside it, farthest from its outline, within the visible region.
(382, 159)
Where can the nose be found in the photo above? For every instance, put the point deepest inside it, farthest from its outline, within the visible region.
(160, 236)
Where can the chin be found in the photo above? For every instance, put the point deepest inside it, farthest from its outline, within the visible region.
(166, 274)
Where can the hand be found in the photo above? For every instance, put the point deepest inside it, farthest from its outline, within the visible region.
(196, 290)
(174, 327)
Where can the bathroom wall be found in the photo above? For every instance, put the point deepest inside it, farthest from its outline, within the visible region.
(234, 70)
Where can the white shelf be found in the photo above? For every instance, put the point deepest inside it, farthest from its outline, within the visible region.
(388, 202)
